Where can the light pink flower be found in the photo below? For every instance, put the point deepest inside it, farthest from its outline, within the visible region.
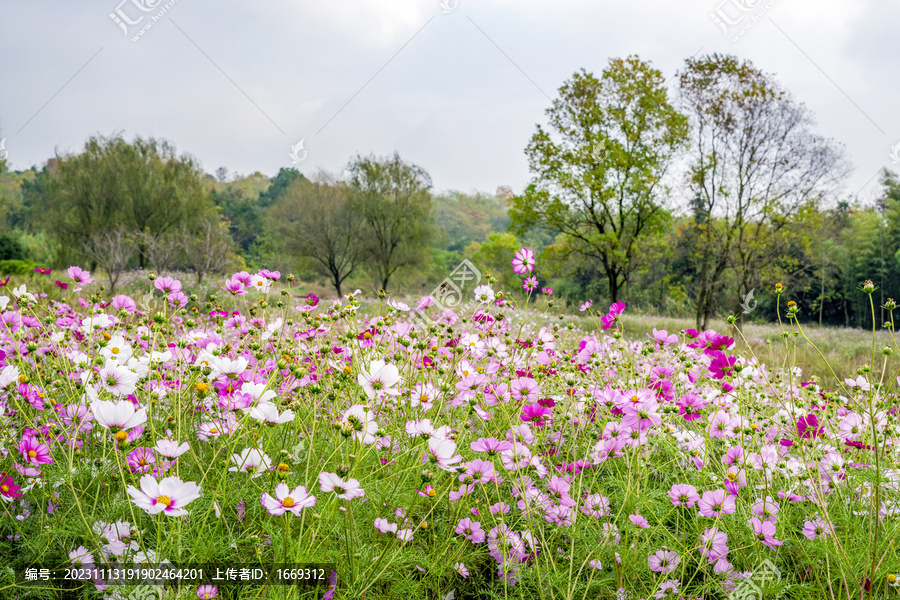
(168, 496)
(287, 500)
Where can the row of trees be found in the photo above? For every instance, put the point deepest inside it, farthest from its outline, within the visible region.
(682, 203)
(749, 165)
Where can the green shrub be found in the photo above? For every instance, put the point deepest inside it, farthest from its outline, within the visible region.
(10, 248)
(17, 267)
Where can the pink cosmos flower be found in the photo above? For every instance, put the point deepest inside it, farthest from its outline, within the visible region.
(664, 561)
(79, 276)
(461, 569)
(34, 452)
(168, 496)
(523, 261)
(205, 592)
(714, 544)
(639, 521)
(716, 504)
(525, 389)
(815, 529)
(287, 500)
(614, 311)
(346, 490)
(586, 305)
(471, 530)
(385, 526)
(167, 284)
(529, 283)
(808, 427)
(491, 446)
(140, 460)
(764, 532)
(125, 303)
(235, 287)
(662, 337)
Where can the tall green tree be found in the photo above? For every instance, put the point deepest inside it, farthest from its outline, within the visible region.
(142, 187)
(393, 199)
(598, 171)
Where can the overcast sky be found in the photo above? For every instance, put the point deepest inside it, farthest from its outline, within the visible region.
(456, 88)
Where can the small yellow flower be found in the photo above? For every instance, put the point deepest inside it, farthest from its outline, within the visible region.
(201, 386)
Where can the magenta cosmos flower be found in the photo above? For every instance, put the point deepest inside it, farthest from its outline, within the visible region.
(535, 413)
(530, 283)
(8, 488)
(168, 496)
(287, 500)
(523, 261)
(79, 275)
(614, 311)
(34, 452)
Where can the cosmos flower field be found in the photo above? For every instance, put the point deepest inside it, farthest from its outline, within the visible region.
(496, 450)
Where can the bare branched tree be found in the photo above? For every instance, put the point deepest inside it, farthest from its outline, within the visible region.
(208, 246)
(164, 251)
(111, 250)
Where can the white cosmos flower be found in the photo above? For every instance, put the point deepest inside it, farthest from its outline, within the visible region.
(117, 350)
(121, 414)
(258, 392)
(170, 448)
(268, 413)
(117, 379)
(8, 376)
(251, 460)
(168, 496)
(380, 379)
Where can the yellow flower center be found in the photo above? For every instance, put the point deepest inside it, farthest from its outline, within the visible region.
(348, 370)
(287, 502)
(432, 493)
(891, 578)
(32, 454)
(4, 488)
(201, 387)
(142, 462)
(423, 398)
(165, 501)
(213, 430)
(23, 378)
(121, 436)
(635, 399)
(283, 468)
(115, 350)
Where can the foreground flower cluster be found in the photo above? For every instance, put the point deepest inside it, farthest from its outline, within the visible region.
(493, 447)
